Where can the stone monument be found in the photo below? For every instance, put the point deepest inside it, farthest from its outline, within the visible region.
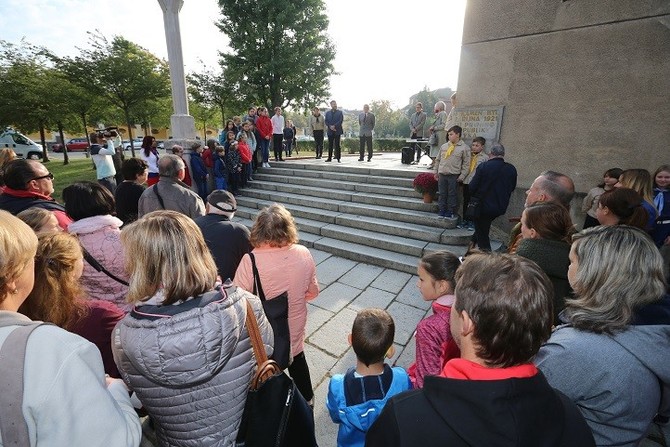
(182, 125)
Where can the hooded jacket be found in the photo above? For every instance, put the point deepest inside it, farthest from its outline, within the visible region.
(617, 381)
(191, 364)
(356, 419)
(100, 236)
(454, 412)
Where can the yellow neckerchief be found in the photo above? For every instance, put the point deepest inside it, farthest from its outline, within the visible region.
(473, 161)
(450, 150)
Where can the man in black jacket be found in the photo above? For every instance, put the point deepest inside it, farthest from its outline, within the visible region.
(492, 394)
(493, 184)
(227, 241)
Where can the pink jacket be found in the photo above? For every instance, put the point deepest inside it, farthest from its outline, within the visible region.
(434, 343)
(290, 269)
(99, 235)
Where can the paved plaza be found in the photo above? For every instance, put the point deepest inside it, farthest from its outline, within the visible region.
(346, 287)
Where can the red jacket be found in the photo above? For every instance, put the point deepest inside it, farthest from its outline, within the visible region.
(245, 151)
(207, 158)
(264, 126)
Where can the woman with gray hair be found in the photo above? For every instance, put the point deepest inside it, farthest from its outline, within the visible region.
(609, 361)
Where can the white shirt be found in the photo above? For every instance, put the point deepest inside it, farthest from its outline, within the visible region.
(277, 124)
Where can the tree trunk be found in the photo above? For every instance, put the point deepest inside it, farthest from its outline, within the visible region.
(130, 132)
(66, 157)
(43, 137)
(88, 149)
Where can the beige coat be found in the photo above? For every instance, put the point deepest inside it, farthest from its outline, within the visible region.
(458, 163)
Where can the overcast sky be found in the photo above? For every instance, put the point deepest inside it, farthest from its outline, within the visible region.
(385, 49)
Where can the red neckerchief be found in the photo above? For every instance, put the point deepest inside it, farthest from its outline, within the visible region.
(24, 193)
(467, 370)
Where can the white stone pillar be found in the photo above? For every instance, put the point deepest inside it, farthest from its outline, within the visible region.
(183, 125)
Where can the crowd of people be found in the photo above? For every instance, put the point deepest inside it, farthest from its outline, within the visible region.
(147, 290)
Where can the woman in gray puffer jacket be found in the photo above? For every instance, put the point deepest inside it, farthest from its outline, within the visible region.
(184, 348)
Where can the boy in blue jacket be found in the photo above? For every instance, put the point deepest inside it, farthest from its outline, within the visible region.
(356, 399)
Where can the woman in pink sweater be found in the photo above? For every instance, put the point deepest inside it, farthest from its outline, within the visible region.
(283, 266)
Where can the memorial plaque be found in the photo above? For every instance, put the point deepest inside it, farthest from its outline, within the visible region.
(479, 122)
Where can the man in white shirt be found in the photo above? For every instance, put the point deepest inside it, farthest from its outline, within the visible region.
(277, 133)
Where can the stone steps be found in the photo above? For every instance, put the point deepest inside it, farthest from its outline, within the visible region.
(364, 214)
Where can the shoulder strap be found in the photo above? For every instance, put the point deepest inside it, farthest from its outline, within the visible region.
(100, 268)
(13, 426)
(258, 287)
(158, 196)
(255, 336)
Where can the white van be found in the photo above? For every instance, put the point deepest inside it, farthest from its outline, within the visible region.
(23, 146)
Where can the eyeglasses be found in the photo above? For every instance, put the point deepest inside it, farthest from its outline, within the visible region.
(50, 176)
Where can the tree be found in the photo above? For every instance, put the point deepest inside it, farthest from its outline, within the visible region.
(203, 114)
(122, 72)
(24, 83)
(281, 54)
(386, 118)
(213, 89)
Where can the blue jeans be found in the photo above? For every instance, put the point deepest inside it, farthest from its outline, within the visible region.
(265, 149)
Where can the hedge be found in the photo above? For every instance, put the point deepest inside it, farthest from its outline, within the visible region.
(352, 145)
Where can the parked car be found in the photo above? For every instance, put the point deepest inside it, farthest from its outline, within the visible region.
(137, 142)
(73, 145)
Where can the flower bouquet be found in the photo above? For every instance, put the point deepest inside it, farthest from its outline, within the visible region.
(426, 184)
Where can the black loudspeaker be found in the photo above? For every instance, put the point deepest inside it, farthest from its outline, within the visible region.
(407, 155)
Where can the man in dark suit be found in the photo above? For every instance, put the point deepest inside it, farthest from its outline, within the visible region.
(366, 121)
(334, 120)
(493, 184)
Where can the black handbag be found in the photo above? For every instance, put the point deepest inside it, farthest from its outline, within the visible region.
(275, 413)
(276, 311)
(474, 209)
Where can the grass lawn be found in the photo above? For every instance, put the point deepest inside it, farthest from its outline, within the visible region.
(76, 171)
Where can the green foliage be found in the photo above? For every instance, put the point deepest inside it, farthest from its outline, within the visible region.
(281, 54)
(125, 74)
(211, 89)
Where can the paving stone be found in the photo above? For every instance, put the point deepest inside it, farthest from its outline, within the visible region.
(336, 296)
(333, 268)
(326, 429)
(344, 363)
(408, 354)
(319, 255)
(316, 317)
(361, 276)
(406, 318)
(371, 297)
(410, 295)
(332, 336)
(319, 364)
(391, 280)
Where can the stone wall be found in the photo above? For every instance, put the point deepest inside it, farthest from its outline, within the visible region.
(585, 83)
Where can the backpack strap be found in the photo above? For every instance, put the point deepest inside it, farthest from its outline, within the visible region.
(13, 426)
